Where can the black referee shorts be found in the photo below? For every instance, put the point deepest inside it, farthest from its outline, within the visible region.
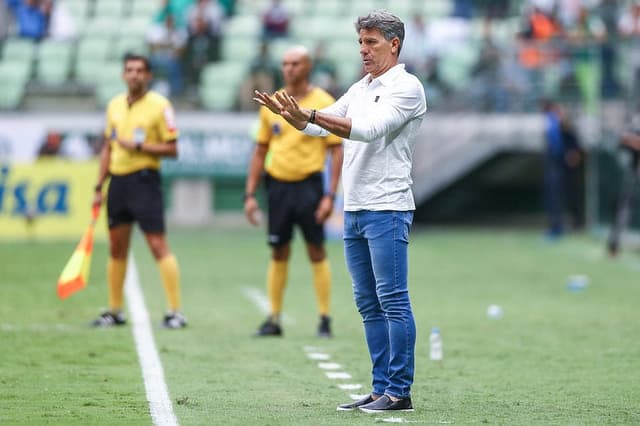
(136, 197)
(291, 203)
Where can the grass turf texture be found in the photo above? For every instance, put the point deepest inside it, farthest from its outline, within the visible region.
(556, 357)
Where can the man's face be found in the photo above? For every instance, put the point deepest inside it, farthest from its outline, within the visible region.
(378, 54)
(136, 75)
(295, 67)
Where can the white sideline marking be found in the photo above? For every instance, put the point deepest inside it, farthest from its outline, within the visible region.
(335, 375)
(350, 386)
(152, 372)
(329, 365)
(318, 356)
(260, 300)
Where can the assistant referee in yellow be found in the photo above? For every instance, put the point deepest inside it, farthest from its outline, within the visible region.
(292, 164)
(140, 129)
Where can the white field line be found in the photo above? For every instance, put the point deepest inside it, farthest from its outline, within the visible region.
(262, 302)
(152, 372)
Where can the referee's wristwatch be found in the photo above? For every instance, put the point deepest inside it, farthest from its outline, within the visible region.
(139, 146)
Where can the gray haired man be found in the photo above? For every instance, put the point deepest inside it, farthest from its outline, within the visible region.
(378, 118)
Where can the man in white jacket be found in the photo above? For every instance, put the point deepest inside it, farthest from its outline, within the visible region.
(378, 118)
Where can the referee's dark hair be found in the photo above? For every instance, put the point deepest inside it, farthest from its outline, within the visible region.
(137, 57)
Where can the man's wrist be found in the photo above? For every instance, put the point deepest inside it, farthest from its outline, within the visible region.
(98, 187)
(139, 146)
(248, 195)
(331, 195)
(312, 117)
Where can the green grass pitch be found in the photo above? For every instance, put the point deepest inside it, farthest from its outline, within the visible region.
(556, 356)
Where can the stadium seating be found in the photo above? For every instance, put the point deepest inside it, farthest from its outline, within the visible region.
(18, 49)
(239, 49)
(219, 85)
(91, 54)
(109, 8)
(14, 74)
(243, 26)
(54, 62)
(108, 82)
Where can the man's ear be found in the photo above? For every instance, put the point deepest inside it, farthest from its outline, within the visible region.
(395, 43)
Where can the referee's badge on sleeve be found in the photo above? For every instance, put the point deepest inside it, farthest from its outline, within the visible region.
(276, 129)
(170, 118)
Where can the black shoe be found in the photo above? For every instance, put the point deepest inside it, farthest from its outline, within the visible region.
(109, 319)
(324, 328)
(384, 403)
(353, 405)
(269, 328)
(174, 320)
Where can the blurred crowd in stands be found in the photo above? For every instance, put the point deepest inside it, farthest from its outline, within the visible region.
(489, 55)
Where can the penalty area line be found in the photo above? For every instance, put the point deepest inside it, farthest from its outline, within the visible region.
(155, 386)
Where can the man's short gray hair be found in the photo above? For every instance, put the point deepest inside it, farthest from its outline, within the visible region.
(384, 21)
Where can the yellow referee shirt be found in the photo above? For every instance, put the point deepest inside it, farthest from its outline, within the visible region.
(150, 120)
(292, 155)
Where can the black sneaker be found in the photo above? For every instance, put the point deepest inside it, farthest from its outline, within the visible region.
(384, 403)
(109, 319)
(269, 328)
(174, 320)
(353, 405)
(324, 328)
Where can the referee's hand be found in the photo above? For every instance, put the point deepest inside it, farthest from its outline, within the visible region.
(251, 211)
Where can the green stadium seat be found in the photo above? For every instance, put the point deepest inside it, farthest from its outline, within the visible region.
(92, 53)
(362, 7)
(315, 28)
(108, 82)
(13, 77)
(223, 74)
(243, 26)
(437, 8)
(54, 62)
(10, 95)
(349, 72)
(238, 49)
(108, 8)
(218, 98)
(79, 12)
(128, 44)
(18, 48)
(220, 83)
(344, 50)
(136, 26)
(105, 26)
(279, 46)
(144, 8)
(16, 71)
(330, 8)
(455, 64)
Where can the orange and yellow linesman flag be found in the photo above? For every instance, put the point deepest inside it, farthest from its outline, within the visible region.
(76, 272)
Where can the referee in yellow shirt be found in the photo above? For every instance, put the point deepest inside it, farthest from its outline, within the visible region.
(140, 128)
(292, 164)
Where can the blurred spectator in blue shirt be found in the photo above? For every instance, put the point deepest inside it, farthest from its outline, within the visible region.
(462, 9)
(554, 170)
(166, 45)
(32, 19)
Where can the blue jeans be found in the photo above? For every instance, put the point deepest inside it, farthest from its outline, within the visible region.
(375, 247)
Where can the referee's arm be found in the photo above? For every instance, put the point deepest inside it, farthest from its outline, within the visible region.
(167, 149)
